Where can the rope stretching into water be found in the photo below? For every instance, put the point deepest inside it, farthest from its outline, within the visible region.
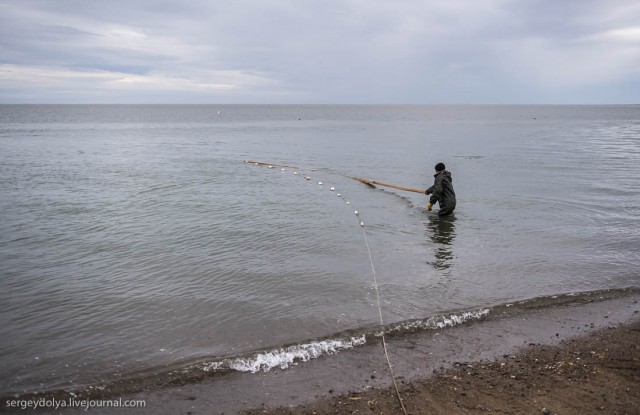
(373, 269)
(384, 343)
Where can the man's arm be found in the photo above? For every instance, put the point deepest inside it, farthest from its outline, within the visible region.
(436, 191)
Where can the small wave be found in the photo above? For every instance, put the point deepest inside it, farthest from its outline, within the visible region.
(284, 357)
(437, 322)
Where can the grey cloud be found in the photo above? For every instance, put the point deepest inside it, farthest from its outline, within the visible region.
(494, 51)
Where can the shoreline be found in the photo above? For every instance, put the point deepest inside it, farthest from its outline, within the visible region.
(597, 372)
(418, 357)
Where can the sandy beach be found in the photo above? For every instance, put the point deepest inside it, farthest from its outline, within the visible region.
(598, 372)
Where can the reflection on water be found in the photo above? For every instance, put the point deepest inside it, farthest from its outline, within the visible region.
(441, 231)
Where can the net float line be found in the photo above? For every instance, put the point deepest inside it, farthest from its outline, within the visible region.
(371, 183)
(360, 179)
(261, 163)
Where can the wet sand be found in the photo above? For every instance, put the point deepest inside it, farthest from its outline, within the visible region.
(598, 372)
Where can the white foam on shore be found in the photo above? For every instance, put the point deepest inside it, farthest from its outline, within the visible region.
(439, 322)
(286, 356)
(291, 355)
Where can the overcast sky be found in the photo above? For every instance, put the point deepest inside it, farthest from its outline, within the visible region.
(332, 51)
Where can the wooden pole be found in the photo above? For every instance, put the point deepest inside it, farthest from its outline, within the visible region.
(377, 183)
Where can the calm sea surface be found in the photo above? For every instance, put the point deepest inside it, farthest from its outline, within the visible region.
(135, 237)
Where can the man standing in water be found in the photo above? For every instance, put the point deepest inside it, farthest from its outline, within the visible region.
(442, 191)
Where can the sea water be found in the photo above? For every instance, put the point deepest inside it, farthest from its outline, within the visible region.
(134, 238)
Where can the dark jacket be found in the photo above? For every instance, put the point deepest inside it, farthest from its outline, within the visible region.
(442, 192)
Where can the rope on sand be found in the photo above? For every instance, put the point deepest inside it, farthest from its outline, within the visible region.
(373, 269)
